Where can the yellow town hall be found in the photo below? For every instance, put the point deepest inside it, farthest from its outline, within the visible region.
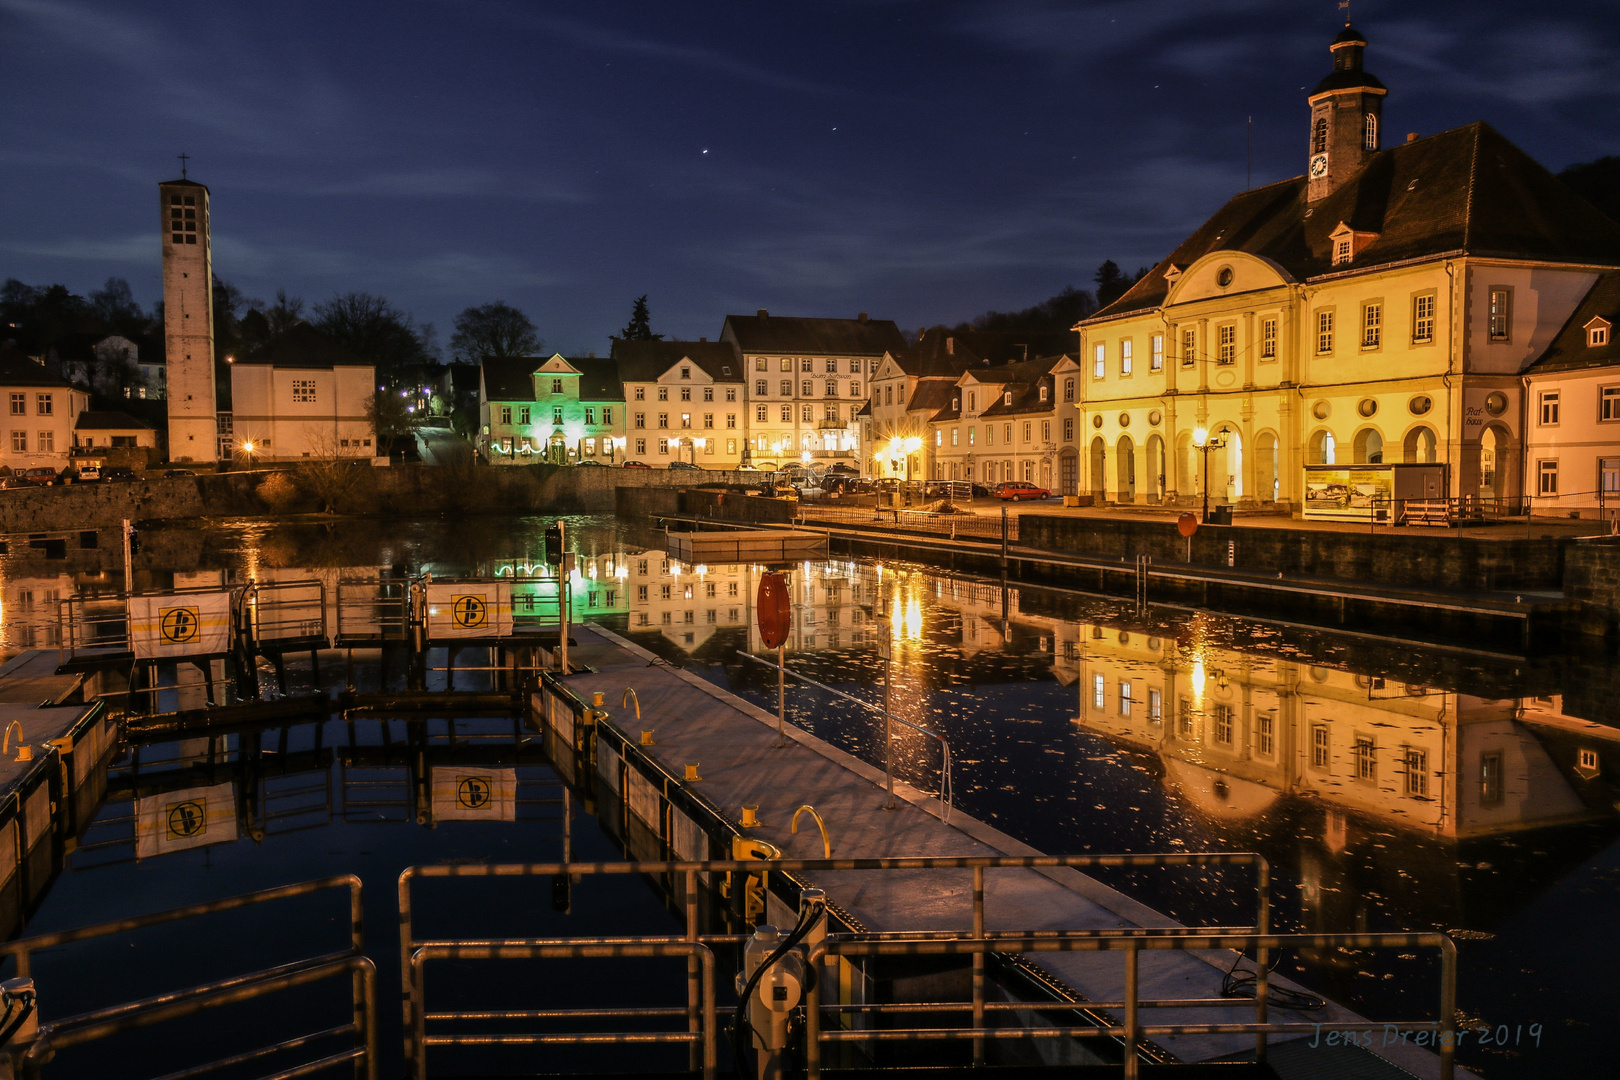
(1382, 308)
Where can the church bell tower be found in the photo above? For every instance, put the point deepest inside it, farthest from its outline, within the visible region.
(1346, 117)
(188, 321)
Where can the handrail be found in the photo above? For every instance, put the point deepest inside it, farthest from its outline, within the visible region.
(945, 770)
(826, 842)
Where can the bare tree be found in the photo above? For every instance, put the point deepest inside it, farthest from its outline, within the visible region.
(497, 329)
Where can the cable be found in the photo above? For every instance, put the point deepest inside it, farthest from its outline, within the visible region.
(11, 999)
(807, 922)
(1237, 983)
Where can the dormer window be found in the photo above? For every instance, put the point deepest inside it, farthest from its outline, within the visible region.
(1348, 243)
(956, 403)
(725, 371)
(1043, 393)
(1597, 332)
(1341, 251)
(1006, 399)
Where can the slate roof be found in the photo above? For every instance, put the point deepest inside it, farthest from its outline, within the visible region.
(645, 361)
(765, 333)
(1465, 191)
(305, 347)
(109, 421)
(510, 378)
(599, 379)
(17, 368)
(1025, 382)
(931, 395)
(1568, 350)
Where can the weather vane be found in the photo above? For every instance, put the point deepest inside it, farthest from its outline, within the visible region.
(1344, 6)
(187, 157)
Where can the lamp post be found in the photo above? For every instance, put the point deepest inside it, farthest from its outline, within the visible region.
(1205, 444)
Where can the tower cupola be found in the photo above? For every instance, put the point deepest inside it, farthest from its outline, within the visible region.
(1346, 117)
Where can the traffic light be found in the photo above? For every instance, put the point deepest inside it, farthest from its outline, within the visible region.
(554, 545)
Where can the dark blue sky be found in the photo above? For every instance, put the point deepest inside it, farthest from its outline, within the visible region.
(921, 161)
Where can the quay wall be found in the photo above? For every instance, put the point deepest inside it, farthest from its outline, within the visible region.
(1592, 577)
(1410, 557)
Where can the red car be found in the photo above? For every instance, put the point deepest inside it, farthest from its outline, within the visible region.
(636, 465)
(1019, 489)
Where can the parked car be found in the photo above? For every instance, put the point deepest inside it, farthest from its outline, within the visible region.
(89, 472)
(841, 483)
(1018, 490)
(637, 465)
(172, 473)
(16, 480)
(43, 475)
(841, 467)
(113, 474)
(682, 465)
(590, 461)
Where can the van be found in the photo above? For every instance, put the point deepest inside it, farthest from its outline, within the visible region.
(89, 472)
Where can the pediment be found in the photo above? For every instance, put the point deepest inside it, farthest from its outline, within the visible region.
(1226, 273)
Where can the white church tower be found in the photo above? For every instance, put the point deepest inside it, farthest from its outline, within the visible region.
(188, 321)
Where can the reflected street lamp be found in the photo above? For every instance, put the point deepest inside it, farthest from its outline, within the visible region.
(1205, 444)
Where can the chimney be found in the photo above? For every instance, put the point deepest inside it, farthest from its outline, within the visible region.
(1411, 136)
(703, 339)
(861, 317)
(950, 346)
(764, 314)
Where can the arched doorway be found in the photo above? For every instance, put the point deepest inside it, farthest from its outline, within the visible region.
(1226, 465)
(1099, 462)
(1498, 466)
(1367, 447)
(1155, 468)
(1069, 473)
(1321, 449)
(1420, 446)
(1267, 488)
(1125, 462)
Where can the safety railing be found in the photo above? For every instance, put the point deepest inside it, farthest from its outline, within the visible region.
(944, 795)
(279, 613)
(920, 522)
(97, 625)
(371, 611)
(1132, 1031)
(688, 872)
(112, 1020)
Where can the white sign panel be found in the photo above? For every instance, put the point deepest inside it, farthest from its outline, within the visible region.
(189, 624)
(473, 610)
(185, 819)
(474, 794)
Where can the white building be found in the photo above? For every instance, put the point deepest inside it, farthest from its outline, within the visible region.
(684, 401)
(302, 396)
(1572, 445)
(40, 413)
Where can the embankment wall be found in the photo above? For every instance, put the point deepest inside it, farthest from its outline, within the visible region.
(1592, 577)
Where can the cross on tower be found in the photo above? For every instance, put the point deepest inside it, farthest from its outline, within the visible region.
(187, 157)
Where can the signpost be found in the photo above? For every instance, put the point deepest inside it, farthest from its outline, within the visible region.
(775, 614)
(1186, 525)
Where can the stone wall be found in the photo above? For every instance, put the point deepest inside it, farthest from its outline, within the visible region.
(1592, 577)
(1409, 557)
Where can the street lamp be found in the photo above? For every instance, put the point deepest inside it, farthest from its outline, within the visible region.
(1205, 444)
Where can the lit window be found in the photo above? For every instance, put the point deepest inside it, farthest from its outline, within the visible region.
(1157, 361)
(1549, 408)
(1099, 692)
(1268, 339)
(1099, 367)
(1372, 325)
(1155, 698)
(1324, 332)
(759, 364)
(1597, 333)
(686, 419)
(1125, 354)
(1124, 698)
(1423, 318)
(1501, 315)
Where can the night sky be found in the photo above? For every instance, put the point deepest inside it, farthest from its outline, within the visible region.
(923, 161)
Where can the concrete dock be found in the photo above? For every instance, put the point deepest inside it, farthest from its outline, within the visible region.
(734, 744)
(776, 545)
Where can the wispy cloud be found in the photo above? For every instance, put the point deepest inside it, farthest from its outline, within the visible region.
(135, 249)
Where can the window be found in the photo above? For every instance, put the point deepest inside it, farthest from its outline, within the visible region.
(970, 435)
(1597, 333)
(807, 413)
(1124, 698)
(19, 441)
(807, 365)
(47, 442)
(523, 415)
(1099, 367)
(731, 420)
(1423, 319)
(303, 390)
(1267, 742)
(182, 219)
(686, 419)
(731, 446)
(939, 438)
(1006, 398)
(1319, 135)
(1547, 476)
(787, 388)
(1068, 389)
(787, 414)
(1417, 773)
(1324, 332)
(686, 393)
(506, 414)
(854, 389)
(46, 406)
(1041, 393)
(1372, 325)
(1184, 718)
(1341, 251)
(806, 388)
(1587, 760)
(1189, 348)
(1549, 408)
(1156, 363)
(1223, 725)
(1366, 759)
(663, 393)
(1008, 439)
(955, 433)
(1501, 314)
(1046, 431)
(1609, 403)
(708, 393)
(556, 386)
(973, 401)
(1099, 692)
(19, 404)
(1319, 746)
(731, 393)
(989, 434)
(607, 414)
(663, 446)
(1068, 429)
(1026, 431)
(759, 388)
(556, 414)
(1226, 344)
(641, 446)
(1490, 779)
(759, 363)
(1155, 701)
(1268, 339)
(830, 412)
(708, 419)
(1370, 131)
(1125, 356)
(832, 388)
(641, 419)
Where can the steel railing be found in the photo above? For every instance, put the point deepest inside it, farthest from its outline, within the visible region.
(413, 1009)
(920, 522)
(273, 612)
(372, 610)
(1132, 1031)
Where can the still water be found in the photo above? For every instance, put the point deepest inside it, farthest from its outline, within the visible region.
(1391, 786)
